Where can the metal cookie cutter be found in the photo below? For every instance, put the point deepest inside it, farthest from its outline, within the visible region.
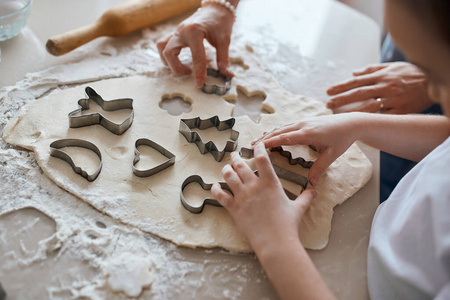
(76, 119)
(56, 152)
(281, 172)
(206, 187)
(149, 172)
(186, 126)
(293, 161)
(214, 88)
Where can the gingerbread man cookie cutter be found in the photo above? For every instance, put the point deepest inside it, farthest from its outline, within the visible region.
(77, 119)
(187, 126)
(55, 151)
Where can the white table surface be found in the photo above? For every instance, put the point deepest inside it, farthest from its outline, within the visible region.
(308, 45)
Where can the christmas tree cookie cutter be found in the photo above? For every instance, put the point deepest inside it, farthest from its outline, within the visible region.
(187, 126)
(77, 119)
(152, 171)
(55, 151)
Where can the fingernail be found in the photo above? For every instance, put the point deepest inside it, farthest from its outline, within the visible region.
(314, 193)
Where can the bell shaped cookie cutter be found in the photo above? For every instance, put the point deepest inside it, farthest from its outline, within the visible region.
(215, 88)
(55, 151)
(77, 119)
(152, 171)
(206, 186)
(187, 126)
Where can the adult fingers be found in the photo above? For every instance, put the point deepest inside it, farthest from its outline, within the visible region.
(263, 163)
(161, 45)
(356, 82)
(171, 52)
(223, 60)
(241, 168)
(221, 196)
(231, 178)
(198, 59)
(369, 69)
(304, 200)
(357, 95)
(371, 106)
(325, 159)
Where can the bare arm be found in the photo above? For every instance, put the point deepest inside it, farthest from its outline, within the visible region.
(408, 136)
(270, 222)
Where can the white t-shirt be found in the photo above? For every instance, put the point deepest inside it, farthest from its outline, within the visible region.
(409, 249)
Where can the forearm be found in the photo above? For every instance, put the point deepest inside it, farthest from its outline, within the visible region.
(292, 272)
(408, 136)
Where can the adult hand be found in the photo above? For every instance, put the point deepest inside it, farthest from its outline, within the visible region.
(213, 23)
(259, 204)
(401, 86)
(330, 135)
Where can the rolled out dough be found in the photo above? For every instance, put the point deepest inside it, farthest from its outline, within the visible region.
(153, 203)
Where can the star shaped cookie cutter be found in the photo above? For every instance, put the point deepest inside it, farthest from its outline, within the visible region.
(56, 152)
(152, 171)
(187, 126)
(77, 119)
(215, 88)
(245, 153)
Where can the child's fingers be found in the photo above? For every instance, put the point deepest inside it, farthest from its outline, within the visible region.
(319, 166)
(263, 163)
(291, 138)
(224, 198)
(279, 130)
(241, 168)
(231, 178)
(303, 201)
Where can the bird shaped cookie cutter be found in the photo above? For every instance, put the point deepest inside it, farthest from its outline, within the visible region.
(152, 171)
(187, 126)
(55, 151)
(77, 119)
(245, 153)
(216, 88)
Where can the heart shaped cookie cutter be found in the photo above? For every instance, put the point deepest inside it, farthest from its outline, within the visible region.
(187, 126)
(55, 151)
(77, 119)
(215, 88)
(152, 171)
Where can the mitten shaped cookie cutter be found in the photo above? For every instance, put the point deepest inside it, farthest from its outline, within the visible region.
(187, 126)
(293, 161)
(56, 152)
(206, 186)
(214, 88)
(281, 172)
(77, 119)
(152, 171)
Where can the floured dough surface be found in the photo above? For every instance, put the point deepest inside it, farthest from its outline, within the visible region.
(153, 203)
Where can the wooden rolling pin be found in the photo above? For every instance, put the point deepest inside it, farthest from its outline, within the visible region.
(119, 20)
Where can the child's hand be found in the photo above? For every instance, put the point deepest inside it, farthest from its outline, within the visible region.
(330, 135)
(260, 208)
